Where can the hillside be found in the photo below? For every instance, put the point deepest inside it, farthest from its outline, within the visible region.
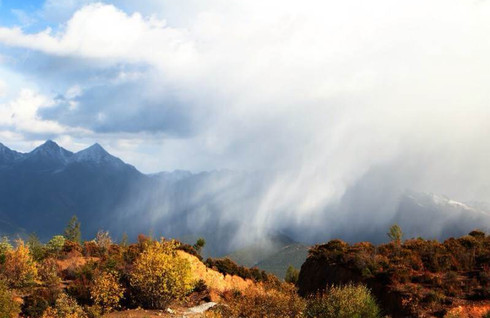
(278, 263)
(418, 278)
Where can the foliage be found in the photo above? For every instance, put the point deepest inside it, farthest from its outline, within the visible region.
(229, 267)
(71, 248)
(36, 248)
(9, 308)
(55, 245)
(425, 274)
(103, 240)
(48, 272)
(256, 303)
(106, 291)
(19, 269)
(160, 275)
(292, 275)
(65, 307)
(348, 301)
(200, 243)
(92, 249)
(189, 249)
(5, 247)
(72, 231)
(35, 305)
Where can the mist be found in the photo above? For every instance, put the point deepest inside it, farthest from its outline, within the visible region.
(324, 116)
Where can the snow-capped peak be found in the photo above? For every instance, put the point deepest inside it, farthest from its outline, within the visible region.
(50, 149)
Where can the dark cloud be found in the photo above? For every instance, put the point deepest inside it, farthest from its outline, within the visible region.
(124, 107)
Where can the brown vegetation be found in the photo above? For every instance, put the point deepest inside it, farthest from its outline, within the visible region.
(414, 278)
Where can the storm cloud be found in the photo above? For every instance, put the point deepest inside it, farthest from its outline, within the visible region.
(343, 106)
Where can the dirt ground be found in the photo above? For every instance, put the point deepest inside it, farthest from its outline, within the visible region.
(142, 313)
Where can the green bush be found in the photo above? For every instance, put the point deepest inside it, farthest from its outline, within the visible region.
(292, 275)
(348, 301)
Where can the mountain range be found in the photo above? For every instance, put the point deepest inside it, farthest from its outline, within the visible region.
(42, 189)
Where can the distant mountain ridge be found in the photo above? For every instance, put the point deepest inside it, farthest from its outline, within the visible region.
(52, 154)
(41, 190)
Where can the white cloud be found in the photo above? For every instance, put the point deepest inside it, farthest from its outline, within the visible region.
(3, 88)
(20, 115)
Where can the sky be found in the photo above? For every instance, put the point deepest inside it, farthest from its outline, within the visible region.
(323, 93)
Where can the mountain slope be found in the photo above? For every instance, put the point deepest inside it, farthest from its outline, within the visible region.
(278, 263)
(42, 189)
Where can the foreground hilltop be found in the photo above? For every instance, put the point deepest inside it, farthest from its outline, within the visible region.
(416, 278)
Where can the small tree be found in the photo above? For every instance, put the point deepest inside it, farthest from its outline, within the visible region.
(292, 275)
(160, 275)
(106, 291)
(200, 243)
(72, 230)
(395, 234)
(19, 269)
(36, 247)
(55, 245)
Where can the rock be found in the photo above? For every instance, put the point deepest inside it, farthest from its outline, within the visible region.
(202, 308)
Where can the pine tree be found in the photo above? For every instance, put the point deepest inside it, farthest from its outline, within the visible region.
(72, 230)
(395, 234)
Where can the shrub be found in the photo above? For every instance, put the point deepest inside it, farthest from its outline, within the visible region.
(55, 245)
(48, 272)
(19, 269)
(106, 291)
(271, 303)
(348, 301)
(65, 307)
(160, 275)
(8, 306)
(35, 305)
(292, 275)
(72, 248)
(91, 249)
(80, 288)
